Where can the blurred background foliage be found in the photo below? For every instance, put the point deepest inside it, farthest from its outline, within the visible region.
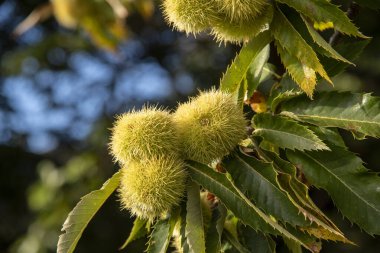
(61, 85)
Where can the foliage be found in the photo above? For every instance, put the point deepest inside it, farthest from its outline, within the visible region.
(260, 191)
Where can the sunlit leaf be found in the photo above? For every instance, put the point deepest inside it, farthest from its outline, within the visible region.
(285, 133)
(351, 111)
(236, 72)
(329, 51)
(291, 42)
(255, 70)
(239, 204)
(194, 220)
(82, 214)
(322, 11)
(303, 75)
(297, 192)
(258, 180)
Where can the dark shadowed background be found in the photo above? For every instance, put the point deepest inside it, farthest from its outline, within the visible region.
(58, 97)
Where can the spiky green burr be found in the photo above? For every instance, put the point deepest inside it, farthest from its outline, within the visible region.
(190, 16)
(238, 11)
(153, 187)
(141, 135)
(209, 126)
(238, 30)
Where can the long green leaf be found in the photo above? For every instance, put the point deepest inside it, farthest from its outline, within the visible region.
(354, 112)
(285, 133)
(238, 203)
(297, 192)
(82, 214)
(236, 72)
(255, 70)
(322, 11)
(194, 220)
(354, 190)
(329, 51)
(259, 181)
(292, 42)
(139, 230)
(182, 240)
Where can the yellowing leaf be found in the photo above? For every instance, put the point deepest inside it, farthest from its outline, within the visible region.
(303, 75)
(298, 57)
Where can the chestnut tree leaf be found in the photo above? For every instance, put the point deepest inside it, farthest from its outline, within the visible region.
(351, 111)
(322, 11)
(354, 190)
(82, 214)
(285, 132)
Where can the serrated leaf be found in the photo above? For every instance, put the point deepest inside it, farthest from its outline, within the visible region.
(255, 70)
(214, 233)
(236, 72)
(303, 75)
(258, 180)
(297, 192)
(329, 51)
(285, 133)
(292, 43)
(351, 111)
(139, 230)
(194, 220)
(322, 11)
(354, 190)
(255, 241)
(82, 214)
(238, 203)
(162, 232)
(281, 204)
(182, 230)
